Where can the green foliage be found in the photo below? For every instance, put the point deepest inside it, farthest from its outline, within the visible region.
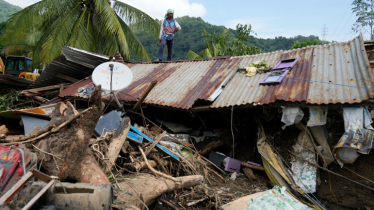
(238, 47)
(95, 26)
(7, 9)
(190, 38)
(7, 98)
(364, 10)
(219, 45)
(304, 44)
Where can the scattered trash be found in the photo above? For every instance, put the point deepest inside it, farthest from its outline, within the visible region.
(233, 176)
(304, 174)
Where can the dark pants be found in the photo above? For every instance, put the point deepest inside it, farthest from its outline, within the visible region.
(165, 42)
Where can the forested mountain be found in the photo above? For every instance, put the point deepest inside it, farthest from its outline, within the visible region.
(190, 38)
(6, 9)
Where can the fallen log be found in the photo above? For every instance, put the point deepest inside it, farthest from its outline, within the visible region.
(70, 141)
(148, 188)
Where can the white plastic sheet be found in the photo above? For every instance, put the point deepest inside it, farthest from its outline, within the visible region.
(291, 115)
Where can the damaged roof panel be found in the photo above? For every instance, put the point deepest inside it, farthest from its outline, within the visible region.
(341, 74)
(326, 74)
(329, 74)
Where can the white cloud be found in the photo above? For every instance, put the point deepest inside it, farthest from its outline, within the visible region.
(157, 9)
(22, 3)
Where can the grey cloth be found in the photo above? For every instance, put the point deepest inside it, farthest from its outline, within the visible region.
(165, 42)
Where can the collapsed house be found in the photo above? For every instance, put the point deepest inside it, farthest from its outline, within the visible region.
(303, 122)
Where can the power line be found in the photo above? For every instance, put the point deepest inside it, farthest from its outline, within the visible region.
(343, 27)
(324, 32)
(341, 19)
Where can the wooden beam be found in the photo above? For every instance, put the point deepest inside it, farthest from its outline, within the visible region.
(70, 79)
(369, 42)
(145, 94)
(42, 176)
(9, 195)
(52, 87)
(369, 51)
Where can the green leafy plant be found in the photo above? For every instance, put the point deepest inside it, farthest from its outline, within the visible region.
(220, 45)
(304, 44)
(364, 10)
(7, 99)
(102, 26)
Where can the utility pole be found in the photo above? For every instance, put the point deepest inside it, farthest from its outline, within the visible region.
(324, 32)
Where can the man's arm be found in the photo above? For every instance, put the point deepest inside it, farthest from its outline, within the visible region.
(177, 26)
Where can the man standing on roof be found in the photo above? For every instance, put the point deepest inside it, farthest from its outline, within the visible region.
(168, 27)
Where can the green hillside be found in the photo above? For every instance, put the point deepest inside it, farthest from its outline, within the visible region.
(190, 38)
(7, 9)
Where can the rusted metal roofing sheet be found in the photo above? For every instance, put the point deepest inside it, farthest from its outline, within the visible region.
(74, 63)
(180, 84)
(329, 74)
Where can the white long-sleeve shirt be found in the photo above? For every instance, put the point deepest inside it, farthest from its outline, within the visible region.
(177, 27)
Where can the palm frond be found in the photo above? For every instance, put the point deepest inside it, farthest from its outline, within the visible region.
(60, 34)
(205, 53)
(136, 17)
(192, 55)
(108, 24)
(135, 46)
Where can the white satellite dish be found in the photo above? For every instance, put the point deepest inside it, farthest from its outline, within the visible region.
(121, 78)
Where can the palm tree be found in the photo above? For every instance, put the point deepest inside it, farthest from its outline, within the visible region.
(102, 26)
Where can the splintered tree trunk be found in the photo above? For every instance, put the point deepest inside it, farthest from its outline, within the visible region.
(71, 158)
(148, 188)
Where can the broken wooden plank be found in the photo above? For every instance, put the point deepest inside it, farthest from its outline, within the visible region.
(253, 166)
(65, 77)
(8, 196)
(37, 196)
(145, 94)
(155, 143)
(119, 139)
(52, 87)
(42, 176)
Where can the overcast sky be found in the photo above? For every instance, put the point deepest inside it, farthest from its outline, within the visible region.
(269, 18)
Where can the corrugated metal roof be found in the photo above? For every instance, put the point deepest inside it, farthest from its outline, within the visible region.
(326, 74)
(74, 63)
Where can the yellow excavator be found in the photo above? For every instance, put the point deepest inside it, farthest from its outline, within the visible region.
(19, 66)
